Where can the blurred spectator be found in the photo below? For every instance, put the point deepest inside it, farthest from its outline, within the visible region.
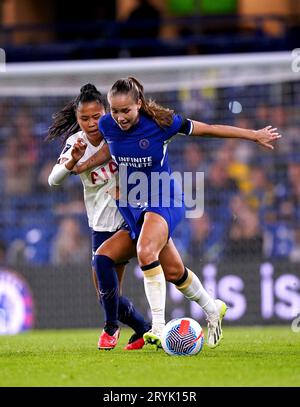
(30, 239)
(245, 237)
(16, 253)
(193, 159)
(42, 185)
(206, 243)
(69, 200)
(72, 204)
(20, 156)
(194, 103)
(142, 23)
(278, 240)
(236, 169)
(5, 127)
(219, 189)
(186, 36)
(279, 116)
(70, 245)
(68, 11)
(295, 251)
(3, 254)
(289, 191)
(262, 115)
(262, 195)
(278, 231)
(281, 223)
(17, 169)
(294, 184)
(24, 132)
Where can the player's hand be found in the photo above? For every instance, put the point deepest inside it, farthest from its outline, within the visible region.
(267, 136)
(78, 149)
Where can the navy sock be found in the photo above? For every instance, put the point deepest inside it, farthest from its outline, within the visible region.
(109, 290)
(128, 315)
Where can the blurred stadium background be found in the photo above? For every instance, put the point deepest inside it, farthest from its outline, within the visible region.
(227, 62)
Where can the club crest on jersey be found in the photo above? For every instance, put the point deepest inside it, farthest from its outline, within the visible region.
(144, 143)
(16, 303)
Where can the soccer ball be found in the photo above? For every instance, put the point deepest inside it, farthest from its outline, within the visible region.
(182, 336)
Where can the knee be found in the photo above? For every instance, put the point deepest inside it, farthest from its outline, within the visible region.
(146, 254)
(105, 250)
(101, 251)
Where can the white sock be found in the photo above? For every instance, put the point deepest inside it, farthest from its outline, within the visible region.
(193, 290)
(155, 289)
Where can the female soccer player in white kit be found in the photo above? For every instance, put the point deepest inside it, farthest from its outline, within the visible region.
(103, 216)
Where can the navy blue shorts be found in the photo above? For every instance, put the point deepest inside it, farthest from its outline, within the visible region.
(98, 238)
(134, 218)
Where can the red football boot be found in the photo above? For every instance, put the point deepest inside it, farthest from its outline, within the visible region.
(108, 341)
(135, 342)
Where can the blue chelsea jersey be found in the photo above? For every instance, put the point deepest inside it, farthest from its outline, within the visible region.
(141, 154)
(141, 148)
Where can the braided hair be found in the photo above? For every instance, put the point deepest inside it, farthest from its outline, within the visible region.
(65, 121)
(161, 115)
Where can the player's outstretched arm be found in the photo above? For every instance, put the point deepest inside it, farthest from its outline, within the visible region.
(99, 158)
(265, 136)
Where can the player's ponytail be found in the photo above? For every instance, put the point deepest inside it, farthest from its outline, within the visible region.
(65, 121)
(161, 115)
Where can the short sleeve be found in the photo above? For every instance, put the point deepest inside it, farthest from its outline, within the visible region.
(66, 152)
(175, 126)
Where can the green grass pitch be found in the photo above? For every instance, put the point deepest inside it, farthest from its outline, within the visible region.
(257, 356)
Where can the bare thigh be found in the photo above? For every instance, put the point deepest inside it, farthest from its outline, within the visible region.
(153, 238)
(119, 247)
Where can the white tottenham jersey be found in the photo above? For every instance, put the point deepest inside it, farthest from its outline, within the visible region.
(101, 208)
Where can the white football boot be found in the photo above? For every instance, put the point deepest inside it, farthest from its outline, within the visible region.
(214, 325)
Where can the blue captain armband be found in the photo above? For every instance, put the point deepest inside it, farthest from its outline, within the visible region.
(186, 127)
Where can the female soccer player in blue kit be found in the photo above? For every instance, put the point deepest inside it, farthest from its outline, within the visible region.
(77, 122)
(137, 132)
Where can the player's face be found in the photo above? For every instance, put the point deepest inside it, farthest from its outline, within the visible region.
(124, 110)
(88, 115)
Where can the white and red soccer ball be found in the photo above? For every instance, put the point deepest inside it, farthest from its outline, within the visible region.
(182, 336)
